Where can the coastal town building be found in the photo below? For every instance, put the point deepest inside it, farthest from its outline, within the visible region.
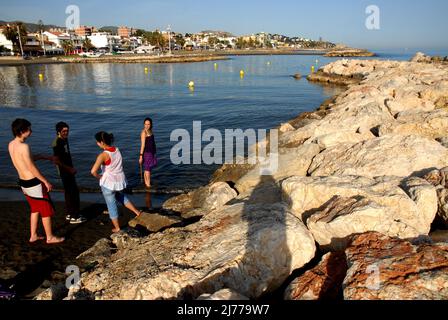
(84, 31)
(57, 37)
(100, 39)
(125, 32)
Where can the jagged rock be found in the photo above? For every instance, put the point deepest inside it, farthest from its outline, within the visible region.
(351, 116)
(291, 162)
(334, 208)
(421, 57)
(231, 172)
(251, 249)
(390, 155)
(126, 238)
(333, 139)
(286, 127)
(98, 253)
(224, 294)
(55, 292)
(154, 222)
(181, 203)
(433, 124)
(323, 282)
(439, 179)
(201, 201)
(391, 269)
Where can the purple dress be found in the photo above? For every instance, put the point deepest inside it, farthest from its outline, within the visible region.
(149, 154)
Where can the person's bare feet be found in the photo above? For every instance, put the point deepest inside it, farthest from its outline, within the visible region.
(36, 238)
(116, 230)
(55, 240)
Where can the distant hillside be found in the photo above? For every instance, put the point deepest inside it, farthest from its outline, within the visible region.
(31, 27)
(111, 29)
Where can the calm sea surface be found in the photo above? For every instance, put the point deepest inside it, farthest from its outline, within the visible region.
(117, 97)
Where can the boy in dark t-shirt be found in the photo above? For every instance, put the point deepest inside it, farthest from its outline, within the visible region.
(61, 151)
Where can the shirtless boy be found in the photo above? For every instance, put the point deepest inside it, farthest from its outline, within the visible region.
(33, 183)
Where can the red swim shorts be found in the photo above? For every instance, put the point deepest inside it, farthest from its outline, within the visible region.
(38, 198)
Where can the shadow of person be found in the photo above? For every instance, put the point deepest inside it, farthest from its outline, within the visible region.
(267, 256)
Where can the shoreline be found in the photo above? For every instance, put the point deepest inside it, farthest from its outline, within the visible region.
(177, 57)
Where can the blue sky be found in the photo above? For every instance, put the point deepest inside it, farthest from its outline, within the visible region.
(404, 24)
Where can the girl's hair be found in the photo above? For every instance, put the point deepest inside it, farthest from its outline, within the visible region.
(150, 121)
(107, 138)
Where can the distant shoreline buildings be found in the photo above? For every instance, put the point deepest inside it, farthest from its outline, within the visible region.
(124, 39)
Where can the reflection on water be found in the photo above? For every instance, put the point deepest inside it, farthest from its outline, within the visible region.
(117, 97)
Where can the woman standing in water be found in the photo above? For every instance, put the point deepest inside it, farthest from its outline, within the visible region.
(112, 180)
(147, 155)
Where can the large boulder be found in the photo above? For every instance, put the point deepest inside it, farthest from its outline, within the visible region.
(432, 125)
(439, 179)
(291, 162)
(334, 208)
(250, 249)
(390, 155)
(202, 200)
(154, 222)
(384, 268)
(351, 116)
(323, 282)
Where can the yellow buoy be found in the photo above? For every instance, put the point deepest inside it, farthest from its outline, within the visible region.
(312, 69)
(269, 63)
(191, 84)
(242, 73)
(41, 76)
(216, 66)
(146, 70)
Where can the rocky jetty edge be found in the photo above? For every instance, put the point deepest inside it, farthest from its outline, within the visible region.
(349, 52)
(351, 213)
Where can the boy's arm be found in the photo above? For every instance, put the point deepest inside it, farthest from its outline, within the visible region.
(37, 157)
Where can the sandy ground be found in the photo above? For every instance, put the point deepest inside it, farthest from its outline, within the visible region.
(32, 267)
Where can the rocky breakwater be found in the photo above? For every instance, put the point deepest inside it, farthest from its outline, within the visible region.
(360, 185)
(349, 52)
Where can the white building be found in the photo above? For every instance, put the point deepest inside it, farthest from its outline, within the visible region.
(57, 37)
(100, 39)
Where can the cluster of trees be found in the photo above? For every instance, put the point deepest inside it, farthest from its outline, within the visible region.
(251, 43)
(12, 33)
(154, 38)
